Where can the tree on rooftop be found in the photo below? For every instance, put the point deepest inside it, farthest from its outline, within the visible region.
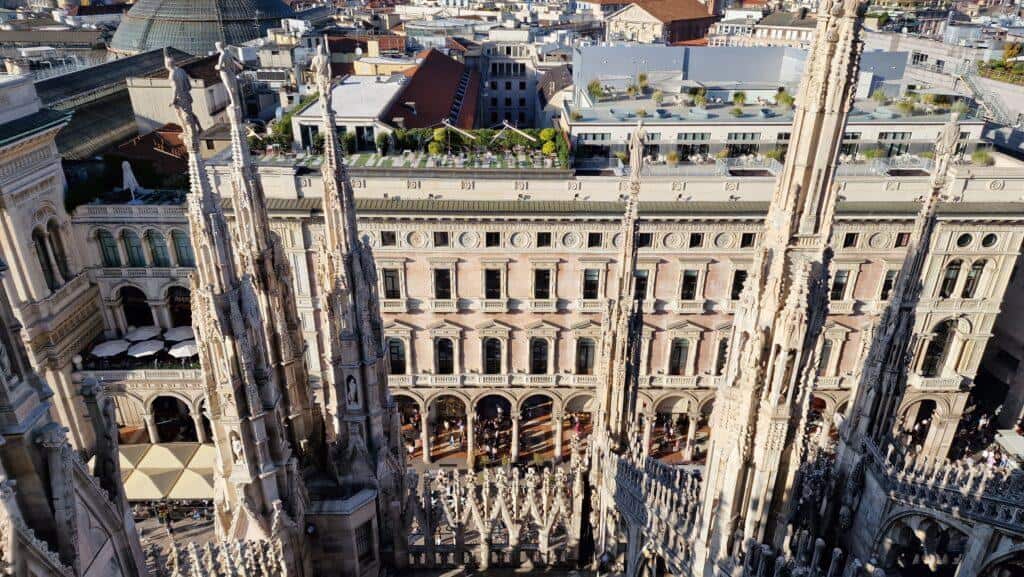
(548, 148)
(632, 90)
(383, 143)
(784, 99)
(960, 107)
(641, 80)
(905, 106)
(548, 134)
(595, 90)
(737, 112)
(658, 97)
(700, 100)
(880, 97)
(739, 98)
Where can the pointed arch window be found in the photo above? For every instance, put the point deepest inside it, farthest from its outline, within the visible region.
(949, 278)
(973, 279)
(585, 352)
(938, 349)
(158, 248)
(39, 242)
(183, 248)
(108, 248)
(396, 356)
(538, 356)
(57, 245)
(492, 356)
(677, 357)
(133, 248)
(444, 356)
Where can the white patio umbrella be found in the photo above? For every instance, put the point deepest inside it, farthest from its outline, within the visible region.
(184, 350)
(142, 333)
(179, 334)
(110, 348)
(146, 348)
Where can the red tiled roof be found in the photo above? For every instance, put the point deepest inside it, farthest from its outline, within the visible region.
(163, 149)
(693, 42)
(433, 87)
(673, 10)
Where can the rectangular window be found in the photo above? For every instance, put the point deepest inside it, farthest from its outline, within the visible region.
(591, 284)
(888, 283)
(696, 239)
(542, 283)
(902, 239)
(838, 292)
(640, 279)
(739, 278)
(492, 283)
(441, 238)
(747, 239)
(688, 292)
(594, 240)
(442, 283)
(646, 240)
(543, 239)
(392, 289)
(364, 542)
(850, 240)
(824, 358)
(492, 239)
(388, 238)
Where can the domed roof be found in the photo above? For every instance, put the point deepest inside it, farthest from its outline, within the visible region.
(194, 26)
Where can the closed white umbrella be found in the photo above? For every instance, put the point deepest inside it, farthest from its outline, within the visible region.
(146, 348)
(110, 348)
(179, 334)
(142, 333)
(184, 350)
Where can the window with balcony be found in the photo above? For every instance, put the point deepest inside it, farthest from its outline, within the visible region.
(492, 283)
(444, 356)
(133, 248)
(183, 248)
(442, 283)
(492, 356)
(640, 278)
(591, 284)
(739, 278)
(392, 283)
(677, 357)
(938, 349)
(396, 356)
(158, 248)
(688, 292)
(586, 349)
(108, 249)
(973, 279)
(538, 356)
(542, 283)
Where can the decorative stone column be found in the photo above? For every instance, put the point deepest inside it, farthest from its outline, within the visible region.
(691, 432)
(425, 436)
(154, 436)
(161, 313)
(197, 418)
(54, 266)
(117, 313)
(648, 431)
(470, 449)
(557, 417)
(515, 437)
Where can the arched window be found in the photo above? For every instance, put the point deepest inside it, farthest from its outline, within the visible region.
(973, 279)
(57, 246)
(585, 351)
(444, 353)
(158, 248)
(179, 304)
(396, 356)
(42, 253)
(538, 356)
(492, 356)
(722, 355)
(136, 309)
(183, 248)
(938, 349)
(949, 278)
(108, 248)
(677, 356)
(133, 248)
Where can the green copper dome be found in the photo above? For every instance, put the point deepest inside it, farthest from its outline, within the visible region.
(194, 26)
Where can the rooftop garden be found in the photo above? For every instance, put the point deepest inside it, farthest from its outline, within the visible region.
(1007, 69)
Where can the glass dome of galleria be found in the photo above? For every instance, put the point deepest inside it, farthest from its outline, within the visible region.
(194, 26)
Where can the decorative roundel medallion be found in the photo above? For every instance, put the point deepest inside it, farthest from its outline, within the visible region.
(878, 240)
(571, 239)
(417, 239)
(617, 240)
(520, 240)
(673, 240)
(997, 184)
(469, 239)
(725, 240)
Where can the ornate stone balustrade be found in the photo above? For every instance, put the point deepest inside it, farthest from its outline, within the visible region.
(503, 379)
(989, 495)
(953, 383)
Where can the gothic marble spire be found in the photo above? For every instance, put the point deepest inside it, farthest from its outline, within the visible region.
(366, 448)
(615, 397)
(885, 368)
(255, 472)
(262, 256)
(756, 443)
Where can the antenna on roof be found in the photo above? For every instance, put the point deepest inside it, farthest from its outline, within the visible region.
(465, 134)
(507, 126)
